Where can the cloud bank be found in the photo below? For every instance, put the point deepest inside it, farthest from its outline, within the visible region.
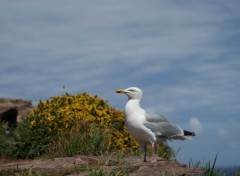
(196, 125)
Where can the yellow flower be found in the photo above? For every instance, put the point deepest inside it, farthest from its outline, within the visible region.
(32, 123)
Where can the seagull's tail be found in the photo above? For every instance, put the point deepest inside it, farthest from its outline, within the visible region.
(188, 135)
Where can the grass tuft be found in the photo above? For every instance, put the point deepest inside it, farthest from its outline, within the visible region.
(78, 142)
(209, 168)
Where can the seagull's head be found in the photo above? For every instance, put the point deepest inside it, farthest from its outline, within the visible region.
(131, 92)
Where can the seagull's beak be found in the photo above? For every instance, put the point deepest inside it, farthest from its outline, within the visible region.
(121, 91)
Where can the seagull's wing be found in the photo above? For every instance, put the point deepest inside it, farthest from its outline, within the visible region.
(165, 130)
(155, 118)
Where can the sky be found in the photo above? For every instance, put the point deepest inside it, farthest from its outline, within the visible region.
(185, 56)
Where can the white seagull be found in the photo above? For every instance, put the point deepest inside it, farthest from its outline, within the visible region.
(149, 128)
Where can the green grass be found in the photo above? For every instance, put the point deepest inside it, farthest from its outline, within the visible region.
(78, 143)
(18, 144)
(208, 168)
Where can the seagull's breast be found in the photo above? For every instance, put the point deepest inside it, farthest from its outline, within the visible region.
(135, 119)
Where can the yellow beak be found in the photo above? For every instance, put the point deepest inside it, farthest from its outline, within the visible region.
(120, 91)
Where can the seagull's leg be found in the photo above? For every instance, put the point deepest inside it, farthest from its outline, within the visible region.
(155, 158)
(154, 148)
(145, 152)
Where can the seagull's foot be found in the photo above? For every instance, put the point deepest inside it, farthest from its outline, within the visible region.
(155, 159)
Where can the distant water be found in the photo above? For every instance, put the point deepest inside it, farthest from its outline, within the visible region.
(229, 170)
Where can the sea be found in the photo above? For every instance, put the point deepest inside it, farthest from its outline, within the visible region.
(229, 170)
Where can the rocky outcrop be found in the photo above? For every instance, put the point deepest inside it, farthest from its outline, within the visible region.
(23, 106)
(134, 166)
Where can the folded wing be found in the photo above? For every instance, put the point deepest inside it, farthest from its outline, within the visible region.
(155, 118)
(163, 129)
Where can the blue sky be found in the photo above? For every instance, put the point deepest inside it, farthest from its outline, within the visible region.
(185, 56)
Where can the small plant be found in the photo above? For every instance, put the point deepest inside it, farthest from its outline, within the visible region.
(209, 168)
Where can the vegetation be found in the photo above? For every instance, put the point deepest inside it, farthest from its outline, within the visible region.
(70, 115)
(68, 125)
(209, 169)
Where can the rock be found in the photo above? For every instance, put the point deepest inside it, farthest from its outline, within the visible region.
(23, 106)
(134, 166)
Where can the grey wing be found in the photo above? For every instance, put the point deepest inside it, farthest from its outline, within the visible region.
(155, 118)
(165, 129)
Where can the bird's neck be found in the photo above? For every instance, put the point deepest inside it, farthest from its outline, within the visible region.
(133, 106)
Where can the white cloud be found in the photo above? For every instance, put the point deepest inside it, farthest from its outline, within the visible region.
(196, 125)
(223, 133)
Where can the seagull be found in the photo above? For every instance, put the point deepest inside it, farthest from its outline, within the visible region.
(149, 128)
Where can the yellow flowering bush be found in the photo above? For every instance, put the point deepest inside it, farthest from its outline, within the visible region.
(64, 113)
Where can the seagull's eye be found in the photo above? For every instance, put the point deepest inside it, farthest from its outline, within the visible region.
(132, 90)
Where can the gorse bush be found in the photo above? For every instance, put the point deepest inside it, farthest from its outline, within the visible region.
(80, 113)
